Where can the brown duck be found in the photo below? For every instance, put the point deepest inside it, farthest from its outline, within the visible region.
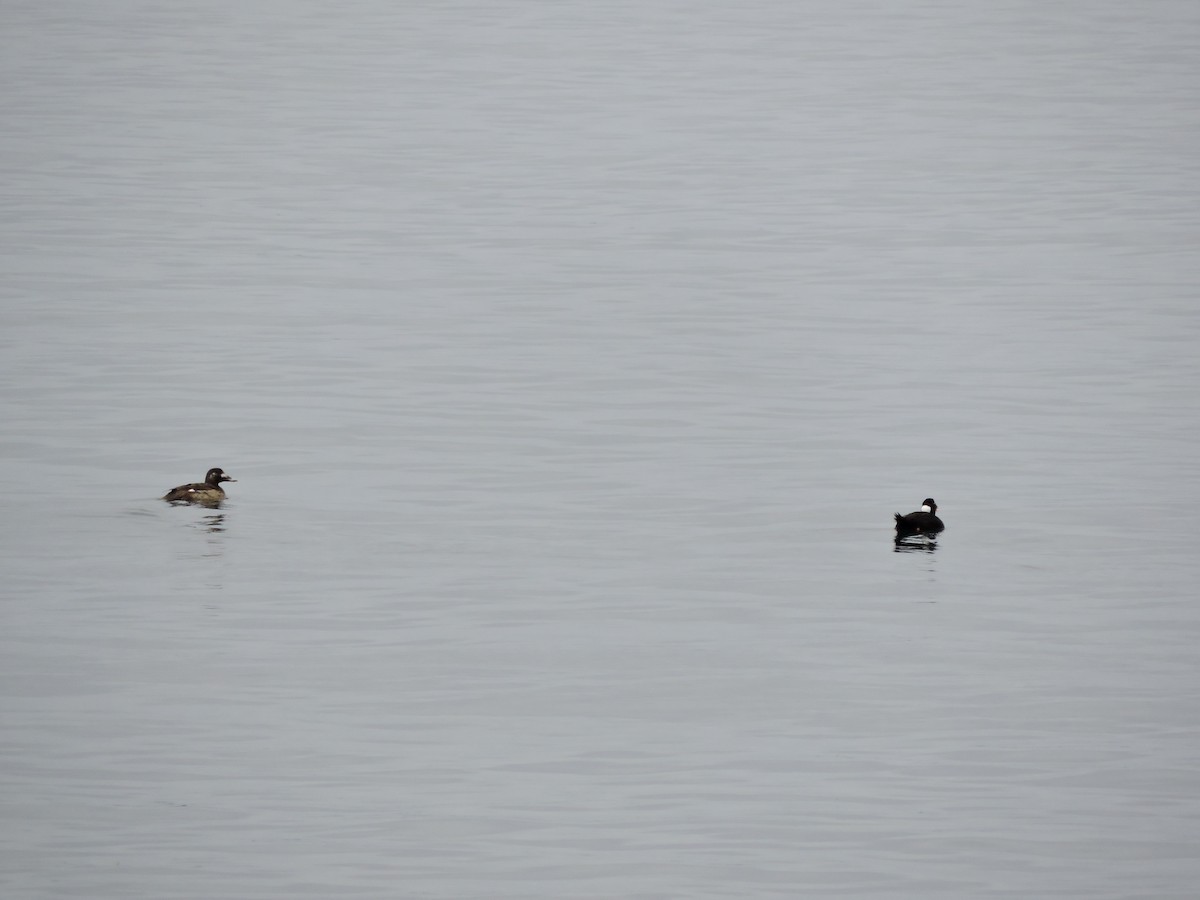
(210, 491)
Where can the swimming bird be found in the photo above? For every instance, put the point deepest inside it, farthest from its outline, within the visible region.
(923, 521)
(210, 491)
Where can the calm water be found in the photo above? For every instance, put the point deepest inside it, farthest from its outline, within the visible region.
(571, 360)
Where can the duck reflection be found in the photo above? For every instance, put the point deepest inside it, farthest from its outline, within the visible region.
(213, 524)
(916, 544)
(213, 527)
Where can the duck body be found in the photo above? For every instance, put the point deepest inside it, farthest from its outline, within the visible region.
(923, 521)
(208, 491)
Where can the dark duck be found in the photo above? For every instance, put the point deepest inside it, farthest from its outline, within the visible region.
(923, 521)
(209, 491)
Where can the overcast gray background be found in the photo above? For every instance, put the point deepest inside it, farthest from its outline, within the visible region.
(571, 359)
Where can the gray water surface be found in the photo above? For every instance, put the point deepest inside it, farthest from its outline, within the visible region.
(572, 360)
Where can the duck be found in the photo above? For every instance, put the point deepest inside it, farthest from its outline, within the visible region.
(208, 491)
(923, 521)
